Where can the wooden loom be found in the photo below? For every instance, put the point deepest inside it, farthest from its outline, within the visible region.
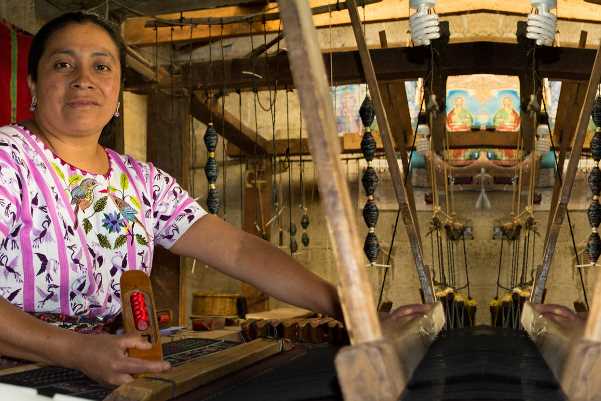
(195, 360)
(572, 353)
(381, 359)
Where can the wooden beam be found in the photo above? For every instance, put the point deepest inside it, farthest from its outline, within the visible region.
(402, 63)
(309, 73)
(242, 136)
(257, 211)
(351, 143)
(186, 377)
(388, 10)
(398, 176)
(570, 99)
(554, 225)
(262, 17)
(168, 147)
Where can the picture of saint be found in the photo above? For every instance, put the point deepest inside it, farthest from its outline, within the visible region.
(506, 119)
(459, 118)
(347, 109)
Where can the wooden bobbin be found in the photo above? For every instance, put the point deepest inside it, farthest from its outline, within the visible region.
(135, 282)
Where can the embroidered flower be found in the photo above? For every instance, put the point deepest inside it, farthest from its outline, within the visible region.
(113, 222)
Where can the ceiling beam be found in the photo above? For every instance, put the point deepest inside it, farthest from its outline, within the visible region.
(229, 127)
(135, 32)
(397, 64)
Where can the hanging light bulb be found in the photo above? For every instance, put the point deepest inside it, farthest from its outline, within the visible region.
(424, 23)
(422, 142)
(541, 23)
(543, 140)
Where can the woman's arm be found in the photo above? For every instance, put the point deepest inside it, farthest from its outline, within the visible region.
(101, 357)
(257, 262)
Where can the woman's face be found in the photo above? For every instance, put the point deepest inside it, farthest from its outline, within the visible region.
(79, 76)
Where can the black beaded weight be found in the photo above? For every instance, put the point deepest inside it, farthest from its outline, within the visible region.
(211, 170)
(369, 180)
(305, 224)
(293, 243)
(594, 181)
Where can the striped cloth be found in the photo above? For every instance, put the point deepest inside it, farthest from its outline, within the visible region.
(15, 98)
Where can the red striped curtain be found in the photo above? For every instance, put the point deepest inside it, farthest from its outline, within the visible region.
(14, 93)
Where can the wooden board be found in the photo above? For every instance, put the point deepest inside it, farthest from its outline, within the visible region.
(281, 313)
(380, 370)
(160, 387)
(553, 340)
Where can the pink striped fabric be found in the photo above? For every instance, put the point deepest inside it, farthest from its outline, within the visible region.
(66, 235)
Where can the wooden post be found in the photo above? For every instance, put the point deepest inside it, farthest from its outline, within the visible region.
(554, 225)
(257, 210)
(581, 375)
(308, 71)
(167, 148)
(398, 176)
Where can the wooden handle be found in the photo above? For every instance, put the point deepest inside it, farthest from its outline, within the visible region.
(139, 313)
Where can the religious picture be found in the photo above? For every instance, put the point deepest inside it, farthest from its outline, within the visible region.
(459, 116)
(347, 101)
(507, 119)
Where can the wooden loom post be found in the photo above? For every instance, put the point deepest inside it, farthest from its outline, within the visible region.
(398, 177)
(581, 374)
(373, 368)
(554, 225)
(308, 71)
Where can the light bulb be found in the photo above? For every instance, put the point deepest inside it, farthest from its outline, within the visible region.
(424, 24)
(422, 142)
(541, 23)
(543, 141)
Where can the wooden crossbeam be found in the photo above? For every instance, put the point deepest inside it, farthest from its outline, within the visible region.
(240, 135)
(396, 64)
(309, 73)
(398, 177)
(554, 224)
(388, 10)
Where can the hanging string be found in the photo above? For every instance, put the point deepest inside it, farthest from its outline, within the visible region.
(258, 224)
(210, 75)
(241, 160)
(398, 214)
(558, 174)
(292, 226)
(224, 179)
(156, 53)
(305, 221)
(192, 134)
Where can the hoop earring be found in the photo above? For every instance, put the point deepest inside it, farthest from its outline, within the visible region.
(34, 103)
(117, 114)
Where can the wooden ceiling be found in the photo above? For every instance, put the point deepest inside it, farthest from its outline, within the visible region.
(130, 8)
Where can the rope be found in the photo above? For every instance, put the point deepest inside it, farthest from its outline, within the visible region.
(398, 214)
(559, 173)
(224, 178)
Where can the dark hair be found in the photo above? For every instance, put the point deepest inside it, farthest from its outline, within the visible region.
(38, 44)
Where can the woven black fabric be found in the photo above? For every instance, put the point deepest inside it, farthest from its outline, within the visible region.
(308, 375)
(483, 363)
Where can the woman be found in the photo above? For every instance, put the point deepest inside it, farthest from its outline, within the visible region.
(74, 215)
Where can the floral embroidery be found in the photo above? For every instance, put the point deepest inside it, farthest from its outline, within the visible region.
(113, 222)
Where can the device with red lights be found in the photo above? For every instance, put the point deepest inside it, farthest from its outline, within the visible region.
(139, 313)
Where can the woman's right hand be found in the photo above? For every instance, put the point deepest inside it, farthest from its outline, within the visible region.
(103, 357)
